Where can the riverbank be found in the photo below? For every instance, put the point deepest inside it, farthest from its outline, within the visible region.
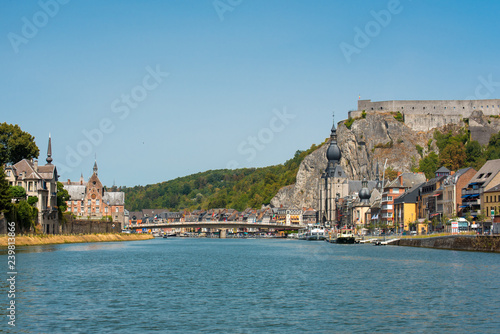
(454, 242)
(50, 239)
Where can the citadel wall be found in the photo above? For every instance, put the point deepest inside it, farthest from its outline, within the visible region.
(423, 115)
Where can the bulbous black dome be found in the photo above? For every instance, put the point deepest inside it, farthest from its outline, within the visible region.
(364, 193)
(333, 153)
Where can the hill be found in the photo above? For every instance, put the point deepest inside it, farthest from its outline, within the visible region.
(237, 189)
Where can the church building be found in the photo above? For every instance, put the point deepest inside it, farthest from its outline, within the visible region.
(338, 194)
(89, 200)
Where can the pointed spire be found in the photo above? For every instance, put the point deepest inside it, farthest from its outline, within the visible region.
(95, 165)
(333, 134)
(49, 152)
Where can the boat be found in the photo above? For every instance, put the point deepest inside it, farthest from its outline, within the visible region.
(315, 233)
(156, 234)
(345, 236)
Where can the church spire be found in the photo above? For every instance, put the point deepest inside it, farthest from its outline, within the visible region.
(95, 166)
(49, 152)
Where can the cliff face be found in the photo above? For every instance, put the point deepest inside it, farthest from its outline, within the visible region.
(375, 138)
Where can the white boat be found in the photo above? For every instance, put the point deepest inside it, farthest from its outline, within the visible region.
(315, 233)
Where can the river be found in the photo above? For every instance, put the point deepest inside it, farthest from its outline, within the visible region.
(180, 285)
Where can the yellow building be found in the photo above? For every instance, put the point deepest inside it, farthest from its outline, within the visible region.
(406, 209)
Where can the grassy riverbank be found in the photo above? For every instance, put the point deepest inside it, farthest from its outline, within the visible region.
(44, 239)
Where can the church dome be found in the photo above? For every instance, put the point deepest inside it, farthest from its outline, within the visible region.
(333, 152)
(364, 193)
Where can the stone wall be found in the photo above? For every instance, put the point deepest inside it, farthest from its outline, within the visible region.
(90, 226)
(424, 115)
(463, 243)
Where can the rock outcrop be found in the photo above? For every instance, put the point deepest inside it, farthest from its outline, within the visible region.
(376, 137)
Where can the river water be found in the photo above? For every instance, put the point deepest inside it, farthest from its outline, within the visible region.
(252, 286)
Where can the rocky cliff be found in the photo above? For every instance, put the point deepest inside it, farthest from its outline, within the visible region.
(376, 137)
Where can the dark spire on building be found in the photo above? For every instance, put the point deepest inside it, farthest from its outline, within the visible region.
(49, 152)
(333, 153)
(364, 193)
(379, 183)
(95, 166)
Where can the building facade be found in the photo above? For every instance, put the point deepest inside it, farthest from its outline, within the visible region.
(41, 182)
(89, 200)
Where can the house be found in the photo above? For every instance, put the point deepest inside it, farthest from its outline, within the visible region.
(452, 191)
(406, 208)
(473, 201)
(394, 189)
(41, 182)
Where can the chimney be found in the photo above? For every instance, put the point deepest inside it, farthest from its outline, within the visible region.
(35, 163)
(69, 181)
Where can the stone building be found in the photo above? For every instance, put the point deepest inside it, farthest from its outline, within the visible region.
(423, 115)
(89, 200)
(41, 182)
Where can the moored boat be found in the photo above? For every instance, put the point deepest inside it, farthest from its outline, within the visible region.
(345, 236)
(315, 233)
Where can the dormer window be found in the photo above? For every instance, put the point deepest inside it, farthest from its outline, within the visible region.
(487, 175)
(480, 175)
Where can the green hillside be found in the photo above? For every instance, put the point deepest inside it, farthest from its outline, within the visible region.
(236, 189)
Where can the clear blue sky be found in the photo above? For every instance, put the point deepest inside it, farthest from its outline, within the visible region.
(233, 66)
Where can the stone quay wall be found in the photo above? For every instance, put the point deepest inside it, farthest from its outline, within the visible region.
(423, 115)
(462, 243)
(90, 226)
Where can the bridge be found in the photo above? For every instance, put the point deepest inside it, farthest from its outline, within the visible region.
(218, 225)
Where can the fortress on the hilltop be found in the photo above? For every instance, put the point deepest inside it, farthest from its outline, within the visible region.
(427, 114)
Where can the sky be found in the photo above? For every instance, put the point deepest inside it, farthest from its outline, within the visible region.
(155, 90)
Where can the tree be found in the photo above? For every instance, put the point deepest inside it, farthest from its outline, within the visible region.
(17, 192)
(62, 198)
(429, 165)
(474, 153)
(493, 148)
(390, 174)
(453, 156)
(16, 144)
(5, 195)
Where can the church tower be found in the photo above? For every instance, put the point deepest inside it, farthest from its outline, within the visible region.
(333, 184)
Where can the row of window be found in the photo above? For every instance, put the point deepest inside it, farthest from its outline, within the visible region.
(89, 209)
(474, 107)
(491, 199)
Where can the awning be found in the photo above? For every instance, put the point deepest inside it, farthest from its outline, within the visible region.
(465, 196)
(435, 214)
(463, 206)
(474, 195)
(375, 217)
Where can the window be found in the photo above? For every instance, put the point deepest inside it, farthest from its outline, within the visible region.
(30, 186)
(480, 176)
(116, 209)
(88, 210)
(89, 202)
(97, 202)
(75, 209)
(395, 190)
(97, 208)
(106, 209)
(8, 173)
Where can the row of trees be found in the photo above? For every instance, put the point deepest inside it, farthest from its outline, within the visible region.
(457, 151)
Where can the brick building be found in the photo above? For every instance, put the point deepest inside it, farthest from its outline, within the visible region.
(89, 200)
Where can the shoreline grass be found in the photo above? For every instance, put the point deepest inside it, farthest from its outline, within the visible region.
(51, 239)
